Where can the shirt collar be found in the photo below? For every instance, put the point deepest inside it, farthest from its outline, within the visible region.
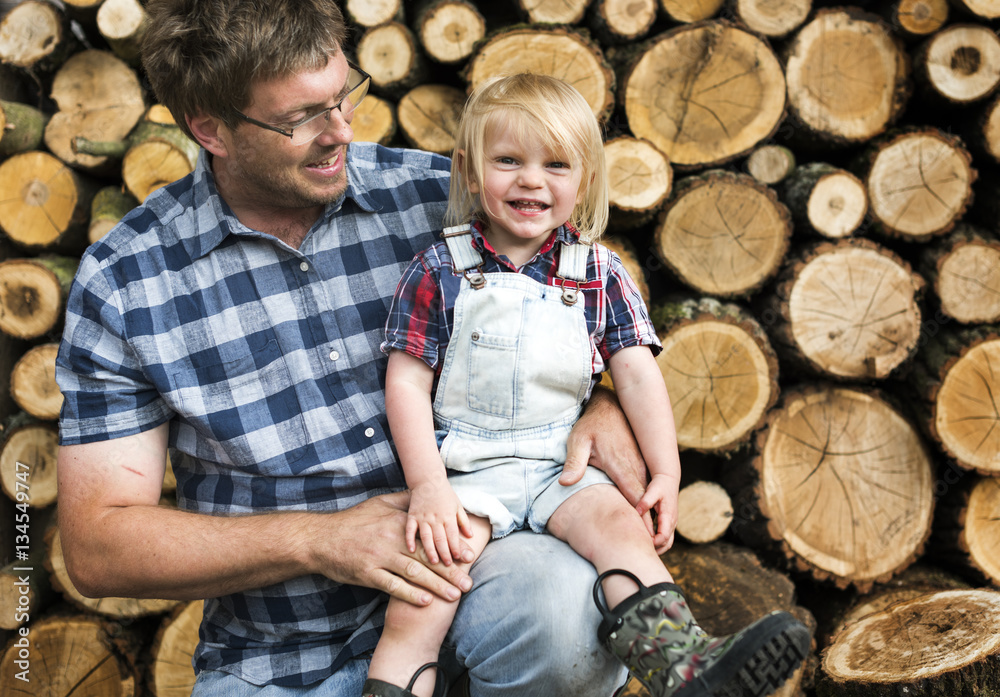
(566, 234)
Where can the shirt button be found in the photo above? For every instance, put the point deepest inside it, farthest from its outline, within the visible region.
(334, 356)
(369, 432)
(304, 266)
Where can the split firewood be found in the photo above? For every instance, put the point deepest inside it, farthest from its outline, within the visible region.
(171, 673)
(963, 269)
(958, 384)
(847, 74)
(28, 456)
(639, 179)
(99, 98)
(47, 204)
(704, 512)
(117, 608)
(847, 310)
(616, 22)
(552, 11)
(33, 382)
(919, 183)
(371, 13)
(35, 37)
(940, 644)
(77, 655)
(770, 164)
(687, 12)
(558, 51)
(915, 19)
(842, 484)
(449, 29)
(428, 117)
(723, 94)
(33, 294)
(109, 206)
(122, 23)
(966, 535)
(391, 54)
(769, 18)
(21, 127)
(723, 234)
(719, 369)
(959, 64)
(825, 200)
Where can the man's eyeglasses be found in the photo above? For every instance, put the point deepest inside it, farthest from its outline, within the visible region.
(311, 126)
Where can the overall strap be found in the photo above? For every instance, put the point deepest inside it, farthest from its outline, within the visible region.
(458, 238)
(572, 268)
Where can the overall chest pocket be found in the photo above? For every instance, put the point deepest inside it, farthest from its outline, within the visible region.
(492, 373)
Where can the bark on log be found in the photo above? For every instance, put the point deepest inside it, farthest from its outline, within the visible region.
(941, 644)
(770, 164)
(825, 200)
(28, 456)
(919, 183)
(123, 23)
(449, 29)
(21, 127)
(33, 294)
(959, 64)
(704, 512)
(116, 608)
(616, 22)
(374, 120)
(47, 205)
(35, 37)
(558, 51)
(916, 19)
(639, 179)
(390, 53)
(723, 93)
(171, 673)
(723, 234)
(846, 310)
(720, 371)
(428, 117)
(847, 74)
(958, 382)
(771, 19)
(74, 655)
(100, 98)
(33, 382)
(842, 482)
(966, 534)
(110, 205)
(964, 271)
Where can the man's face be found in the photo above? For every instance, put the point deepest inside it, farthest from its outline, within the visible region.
(266, 165)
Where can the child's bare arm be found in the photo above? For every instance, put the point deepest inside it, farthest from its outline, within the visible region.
(435, 512)
(639, 385)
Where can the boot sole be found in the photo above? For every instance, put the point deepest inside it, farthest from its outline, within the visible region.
(758, 663)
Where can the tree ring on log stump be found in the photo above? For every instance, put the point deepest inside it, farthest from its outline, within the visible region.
(705, 94)
(968, 283)
(967, 413)
(845, 482)
(982, 514)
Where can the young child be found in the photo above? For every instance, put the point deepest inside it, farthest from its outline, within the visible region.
(495, 339)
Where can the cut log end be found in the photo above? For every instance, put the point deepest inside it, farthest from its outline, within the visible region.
(704, 512)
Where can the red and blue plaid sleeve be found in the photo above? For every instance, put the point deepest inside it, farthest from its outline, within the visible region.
(415, 315)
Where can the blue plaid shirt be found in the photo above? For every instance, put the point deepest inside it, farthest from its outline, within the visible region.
(265, 361)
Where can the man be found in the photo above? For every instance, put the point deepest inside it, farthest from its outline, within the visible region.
(235, 318)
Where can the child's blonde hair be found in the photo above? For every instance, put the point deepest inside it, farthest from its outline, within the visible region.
(540, 106)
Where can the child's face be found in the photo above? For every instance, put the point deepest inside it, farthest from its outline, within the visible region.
(527, 190)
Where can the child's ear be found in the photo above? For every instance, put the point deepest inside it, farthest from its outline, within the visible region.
(461, 167)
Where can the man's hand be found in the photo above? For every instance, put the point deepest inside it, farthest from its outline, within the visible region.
(603, 438)
(367, 547)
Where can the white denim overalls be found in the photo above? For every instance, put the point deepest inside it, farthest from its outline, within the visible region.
(512, 384)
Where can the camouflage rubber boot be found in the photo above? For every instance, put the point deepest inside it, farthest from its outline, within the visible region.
(659, 641)
(381, 688)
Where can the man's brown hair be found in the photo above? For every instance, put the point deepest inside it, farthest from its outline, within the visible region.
(203, 56)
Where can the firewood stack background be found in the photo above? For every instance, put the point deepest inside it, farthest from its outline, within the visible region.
(808, 196)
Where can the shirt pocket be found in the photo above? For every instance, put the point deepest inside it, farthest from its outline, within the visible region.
(492, 373)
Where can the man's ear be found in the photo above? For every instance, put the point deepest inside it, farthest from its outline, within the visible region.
(208, 131)
(461, 167)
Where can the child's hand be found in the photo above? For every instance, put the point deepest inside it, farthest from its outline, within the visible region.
(661, 496)
(438, 516)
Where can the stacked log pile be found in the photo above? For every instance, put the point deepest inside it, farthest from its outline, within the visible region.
(808, 196)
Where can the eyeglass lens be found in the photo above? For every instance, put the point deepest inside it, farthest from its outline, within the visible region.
(307, 131)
